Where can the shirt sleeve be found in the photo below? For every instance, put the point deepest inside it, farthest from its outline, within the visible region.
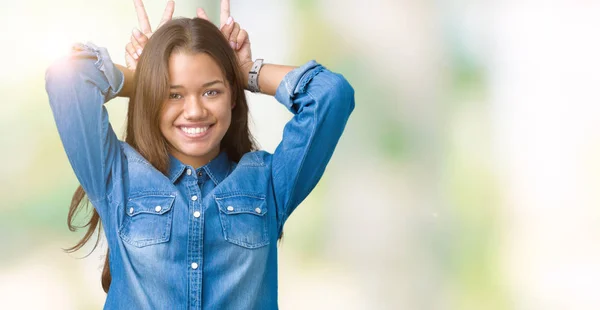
(78, 86)
(321, 102)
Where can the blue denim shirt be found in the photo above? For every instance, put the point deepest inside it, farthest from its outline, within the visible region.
(201, 238)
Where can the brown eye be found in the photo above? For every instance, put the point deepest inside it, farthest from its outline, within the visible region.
(174, 96)
(211, 93)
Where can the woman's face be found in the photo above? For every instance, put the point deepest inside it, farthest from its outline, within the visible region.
(197, 113)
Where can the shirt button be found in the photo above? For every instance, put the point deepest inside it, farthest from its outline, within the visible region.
(194, 198)
(230, 208)
(258, 210)
(194, 266)
(158, 208)
(200, 173)
(131, 210)
(189, 171)
(197, 214)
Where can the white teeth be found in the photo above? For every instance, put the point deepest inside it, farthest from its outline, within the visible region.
(195, 130)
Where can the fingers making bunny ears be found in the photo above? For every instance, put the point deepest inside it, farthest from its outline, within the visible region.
(230, 29)
(139, 37)
(143, 20)
(236, 36)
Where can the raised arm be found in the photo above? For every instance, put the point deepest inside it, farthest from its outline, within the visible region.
(321, 102)
(78, 86)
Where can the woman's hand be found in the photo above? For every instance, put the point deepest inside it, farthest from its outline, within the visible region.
(139, 37)
(237, 37)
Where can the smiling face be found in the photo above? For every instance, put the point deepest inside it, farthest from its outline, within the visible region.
(197, 113)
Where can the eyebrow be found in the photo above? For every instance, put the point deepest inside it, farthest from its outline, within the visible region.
(203, 85)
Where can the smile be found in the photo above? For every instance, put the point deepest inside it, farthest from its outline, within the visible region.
(195, 132)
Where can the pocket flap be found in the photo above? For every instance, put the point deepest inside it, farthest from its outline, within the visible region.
(241, 203)
(150, 203)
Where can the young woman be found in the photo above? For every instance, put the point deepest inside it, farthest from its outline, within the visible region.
(190, 210)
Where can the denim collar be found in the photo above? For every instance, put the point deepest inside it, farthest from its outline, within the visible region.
(217, 169)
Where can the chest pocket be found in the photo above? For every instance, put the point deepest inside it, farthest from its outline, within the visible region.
(244, 219)
(147, 220)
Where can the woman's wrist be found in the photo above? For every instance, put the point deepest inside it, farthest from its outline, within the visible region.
(246, 71)
(127, 88)
(270, 76)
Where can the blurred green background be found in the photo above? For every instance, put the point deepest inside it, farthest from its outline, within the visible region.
(466, 179)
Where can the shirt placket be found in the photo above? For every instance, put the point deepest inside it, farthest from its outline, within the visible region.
(195, 235)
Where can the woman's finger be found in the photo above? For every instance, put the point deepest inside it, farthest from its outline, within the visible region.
(142, 16)
(130, 62)
(137, 48)
(225, 12)
(139, 41)
(168, 14)
(131, 51)
(202, 14)
(242, 38)
(227, 28)
(233, 36)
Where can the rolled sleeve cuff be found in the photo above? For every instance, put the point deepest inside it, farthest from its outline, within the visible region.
(296, 82)
(104, 63)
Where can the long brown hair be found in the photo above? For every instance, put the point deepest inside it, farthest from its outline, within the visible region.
(151, 88)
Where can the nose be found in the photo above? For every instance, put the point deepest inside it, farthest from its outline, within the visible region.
(194, 109)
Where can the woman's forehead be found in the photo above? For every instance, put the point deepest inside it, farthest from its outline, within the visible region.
(193, 69)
